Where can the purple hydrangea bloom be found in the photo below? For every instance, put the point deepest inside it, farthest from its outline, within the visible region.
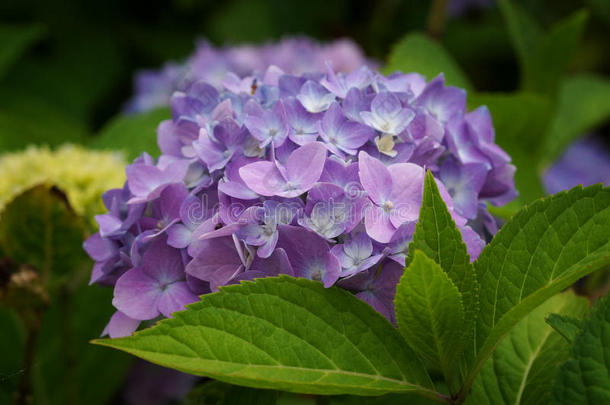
(584, 162)
(157, 286)
(228, 67)
(318, 176)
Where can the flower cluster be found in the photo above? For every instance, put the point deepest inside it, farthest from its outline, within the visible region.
(317, 176)
(297, 55)
(585, 162)
(82, 174)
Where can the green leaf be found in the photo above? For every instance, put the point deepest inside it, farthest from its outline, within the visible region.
(287, 334)
(524, 32)
(132, 133)
(522, 367)
(26, 120)
(550, 60)
(438, 237)
(543, 249)
(418, 53)
(544, 57)
(584, 103)
(39, 228)
(566, 326)
(12, 339)
(219, 393)
(520, 121)
(14, 41)
(585, 377)
(430, 313)
(65, 362)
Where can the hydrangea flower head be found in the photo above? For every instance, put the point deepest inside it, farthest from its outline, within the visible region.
(317, 176)
(225, 67)
(585, 162)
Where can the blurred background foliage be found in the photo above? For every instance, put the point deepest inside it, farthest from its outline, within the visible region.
(66, 70)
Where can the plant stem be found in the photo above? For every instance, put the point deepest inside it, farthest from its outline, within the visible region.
(436, 18)
(24, 394)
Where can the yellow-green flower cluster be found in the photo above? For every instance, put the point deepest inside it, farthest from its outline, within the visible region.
(82, 174)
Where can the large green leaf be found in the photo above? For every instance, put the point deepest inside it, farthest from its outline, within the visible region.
(418, 53)
(14, 40)
(566, 326)
(585, 377)
(430, 312)
(40, 229)
(543, 249)
(284, 333)
(26, 120)
(522, 367)
(549, 61)
(65, 362)
(12, 340)
(437, 236)
(544, 57)
(132, 133)
(520, 121)
(524, 32)
(584, 102)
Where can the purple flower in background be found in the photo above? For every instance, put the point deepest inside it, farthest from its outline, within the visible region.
(356, 254)
(120, 325)
(463, 182)
(146, 181)
(266, 126)
(314, 98)
(342, 135)
(377, 287)
(303, 124)
(309, 255)
(584, 162)
(339, 83)
(217, 150)
(263, 231)
(395, 193)
(218, 261)
(387, 114)
(157, 286)
(303, 168)
(228, 65)
(318, 175)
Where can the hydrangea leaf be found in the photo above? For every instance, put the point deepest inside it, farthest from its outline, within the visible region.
(13, 337)
(437, 236)
(14, 41)
(430, 313)
(39, 228)
(519, 120)
(65, 362)
(287, 334)
(566, 326)
(418, 53)
(524, 32)
(543, 249)
(544, 56)
(522, 367)
(584, 102)
(52, 126)
(585, 377)
(132, 133)
(550, 60)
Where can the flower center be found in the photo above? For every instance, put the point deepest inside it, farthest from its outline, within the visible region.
(387, 206)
